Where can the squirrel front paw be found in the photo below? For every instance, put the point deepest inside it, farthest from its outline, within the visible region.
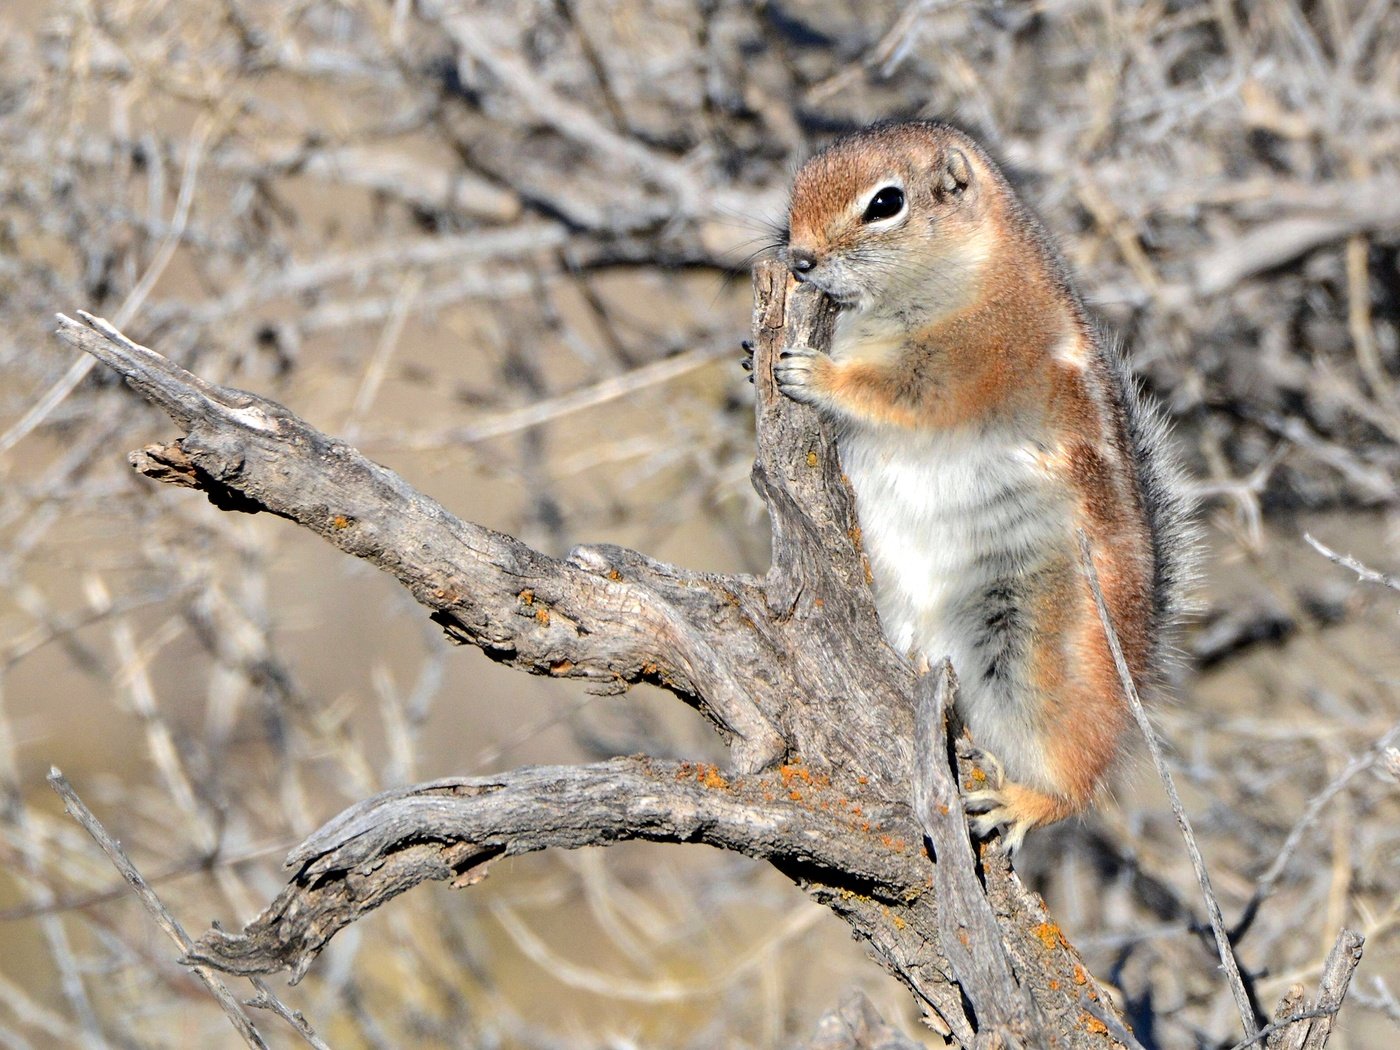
(796, 372)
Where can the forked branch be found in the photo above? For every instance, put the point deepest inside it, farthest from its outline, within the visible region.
(607, 615)
(827, 785)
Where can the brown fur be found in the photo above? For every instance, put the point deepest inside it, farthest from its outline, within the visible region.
(1005, 339)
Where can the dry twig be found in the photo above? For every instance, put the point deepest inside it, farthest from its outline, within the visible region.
(1228, 963)
(152, 903)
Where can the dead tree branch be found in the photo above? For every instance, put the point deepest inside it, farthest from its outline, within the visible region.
(1308, 1029)
(969, 931)
(454, 828)
(792, 668)
(607, 615)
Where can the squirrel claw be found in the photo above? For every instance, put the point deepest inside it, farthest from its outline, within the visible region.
(998, 815)
(989, 807)
(746, 362)
(992, 801)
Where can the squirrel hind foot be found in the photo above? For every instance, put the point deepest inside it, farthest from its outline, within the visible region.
(1015, 808)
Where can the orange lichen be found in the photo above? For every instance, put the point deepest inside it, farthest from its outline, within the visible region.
(542, 615)
(896, 844)
(340, 521)
(561, 667)
(812, 459)
(794, 770)
(818, 603)
(614, 575)
(1048, 934)
(1080, 977)
(857, 811)
(710, 776)
(1093, 1024)
(795, 795)
(527, 598)
(862, 780)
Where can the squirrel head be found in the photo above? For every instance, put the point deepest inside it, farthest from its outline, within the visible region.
(896, 218)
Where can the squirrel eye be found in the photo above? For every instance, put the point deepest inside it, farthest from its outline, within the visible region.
(886, 204)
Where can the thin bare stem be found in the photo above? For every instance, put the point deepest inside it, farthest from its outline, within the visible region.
(1346, 561)
(1217, 921)
(167, 922)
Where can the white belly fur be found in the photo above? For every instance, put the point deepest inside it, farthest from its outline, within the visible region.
(944, 517)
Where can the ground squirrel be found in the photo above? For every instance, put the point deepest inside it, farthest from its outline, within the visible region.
(983, 421)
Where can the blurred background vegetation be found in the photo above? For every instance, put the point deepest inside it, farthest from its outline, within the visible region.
(502, 247)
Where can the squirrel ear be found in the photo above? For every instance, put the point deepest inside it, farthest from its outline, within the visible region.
(957, 172)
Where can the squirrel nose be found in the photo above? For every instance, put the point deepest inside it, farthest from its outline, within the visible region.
(800, 261)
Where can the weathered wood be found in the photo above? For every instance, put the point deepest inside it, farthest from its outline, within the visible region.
(453, 828)
(607, 615)
(1300, 1026)
(967, 926)
(792, 668)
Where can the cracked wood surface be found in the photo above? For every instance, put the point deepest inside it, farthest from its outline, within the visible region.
(792, 668)
(452, 828)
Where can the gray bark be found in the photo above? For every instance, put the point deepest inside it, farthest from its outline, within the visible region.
(830, 781)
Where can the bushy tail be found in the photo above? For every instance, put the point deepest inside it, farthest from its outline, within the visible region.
(1171, 509)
